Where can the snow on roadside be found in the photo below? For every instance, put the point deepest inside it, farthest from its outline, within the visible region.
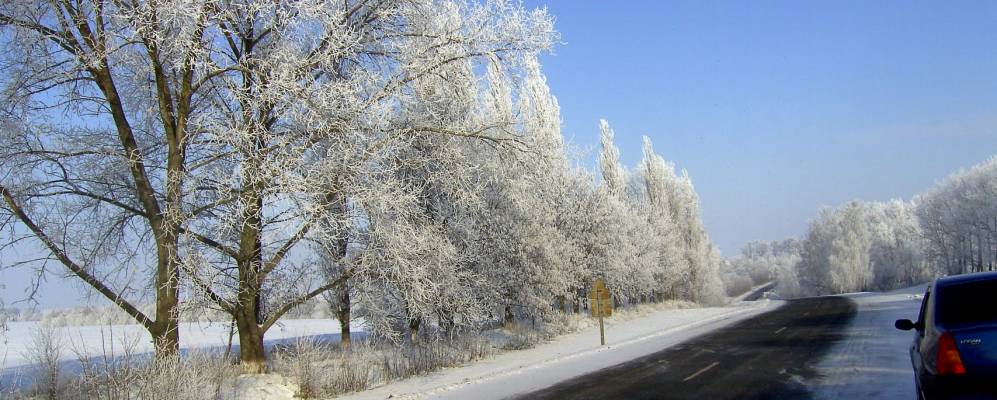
(872, 360)
(753, 291)
(260, 387)
(523, 371)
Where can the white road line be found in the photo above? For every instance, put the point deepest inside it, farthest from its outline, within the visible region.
(780, 330)
(690, 377)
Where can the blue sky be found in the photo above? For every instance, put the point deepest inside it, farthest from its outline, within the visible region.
(774, 108)
(778, 108)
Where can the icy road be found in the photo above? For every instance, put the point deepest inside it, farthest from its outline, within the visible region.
(823, 348)
(827, 347)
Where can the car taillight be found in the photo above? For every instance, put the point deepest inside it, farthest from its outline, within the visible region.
(949, 362)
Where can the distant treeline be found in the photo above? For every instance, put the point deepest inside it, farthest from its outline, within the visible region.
(860, 246)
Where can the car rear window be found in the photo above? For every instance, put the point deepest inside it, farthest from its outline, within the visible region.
(965, 303)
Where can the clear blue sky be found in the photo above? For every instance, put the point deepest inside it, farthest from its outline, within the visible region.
(778, 108)
(775, 108)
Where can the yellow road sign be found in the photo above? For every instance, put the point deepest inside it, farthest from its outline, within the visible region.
(601, 304)
(600, 300)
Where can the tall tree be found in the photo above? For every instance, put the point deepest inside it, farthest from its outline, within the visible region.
(609, 161)
(305, 122)
(849, 258)
(100, 112)
(658, 197)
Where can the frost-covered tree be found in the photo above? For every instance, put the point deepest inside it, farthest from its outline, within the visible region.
(762, 262)
(656, 193)
(849, 258)
(959, 220)
(522, 230)
(863, 246)
(950, 229)
(815, 265)
(666, 252)
(835, 256)
(231, 128)
(897, 250)
(702, 257)
(100, 129)
(613, 176)
(632, 253)
(318, 119)
(5, 315)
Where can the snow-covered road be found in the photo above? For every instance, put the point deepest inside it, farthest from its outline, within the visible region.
(871, 361)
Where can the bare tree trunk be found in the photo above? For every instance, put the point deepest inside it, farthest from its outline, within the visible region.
(413, 325)
(252, 356)
(979, 252)
(343, 314)
(509, 317)
(249, 310)
(165, 332)
(231, 334)
(447, 322)
(251, 352)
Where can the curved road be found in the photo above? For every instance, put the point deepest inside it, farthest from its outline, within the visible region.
(764, 357)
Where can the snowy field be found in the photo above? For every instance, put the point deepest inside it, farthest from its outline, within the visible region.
(114, 340)
(872, 362)
(95, 340)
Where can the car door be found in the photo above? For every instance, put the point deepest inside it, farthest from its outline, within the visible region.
(916, 359)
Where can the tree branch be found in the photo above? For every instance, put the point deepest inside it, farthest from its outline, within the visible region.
(279, 256)
(76, 269)
(273, 318)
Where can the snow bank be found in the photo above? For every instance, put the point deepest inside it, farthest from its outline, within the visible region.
(753, 293)
(260, 387)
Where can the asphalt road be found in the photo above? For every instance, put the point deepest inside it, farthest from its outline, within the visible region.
(766, 357)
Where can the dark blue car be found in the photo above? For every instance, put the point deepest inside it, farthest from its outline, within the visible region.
(954, 351)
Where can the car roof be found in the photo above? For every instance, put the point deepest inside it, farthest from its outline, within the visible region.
(965, 278)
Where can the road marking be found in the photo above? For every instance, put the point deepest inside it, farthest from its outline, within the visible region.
(780, 330)
(806, 313)
(690, 377)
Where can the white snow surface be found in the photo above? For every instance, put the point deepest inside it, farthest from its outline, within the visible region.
(15, 344)
(260, 387)
(519, 372)
(872, 360)
(741, 297)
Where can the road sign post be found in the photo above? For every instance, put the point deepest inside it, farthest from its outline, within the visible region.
(601, 304)
(602, 330)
